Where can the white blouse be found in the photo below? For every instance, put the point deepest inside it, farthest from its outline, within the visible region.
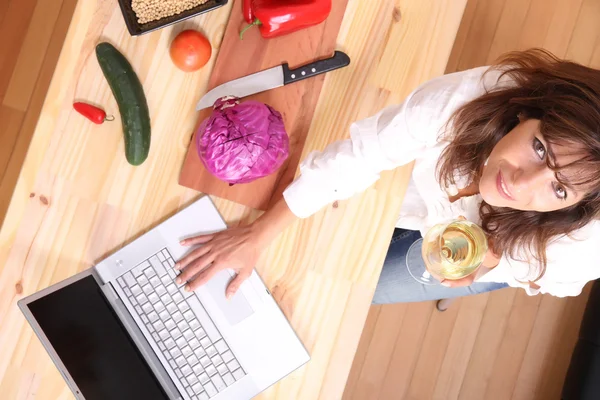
(409, 132)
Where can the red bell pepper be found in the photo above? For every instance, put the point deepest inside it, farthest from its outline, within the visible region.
(280, 17)
(247, 11)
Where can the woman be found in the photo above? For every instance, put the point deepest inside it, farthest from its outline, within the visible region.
(514, 148)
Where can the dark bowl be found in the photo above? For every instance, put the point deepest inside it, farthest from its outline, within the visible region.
(136, 28)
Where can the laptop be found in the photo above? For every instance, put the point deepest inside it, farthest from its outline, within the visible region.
(124, 330)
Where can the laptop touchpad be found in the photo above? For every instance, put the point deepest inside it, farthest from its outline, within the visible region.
(235, 309)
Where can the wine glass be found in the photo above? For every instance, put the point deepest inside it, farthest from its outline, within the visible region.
(452, 250)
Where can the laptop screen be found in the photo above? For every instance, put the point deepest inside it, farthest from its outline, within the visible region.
(93, 345)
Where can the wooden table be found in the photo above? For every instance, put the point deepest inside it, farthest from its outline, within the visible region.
(77, 199)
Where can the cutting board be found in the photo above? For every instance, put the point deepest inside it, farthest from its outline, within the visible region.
(296, 102)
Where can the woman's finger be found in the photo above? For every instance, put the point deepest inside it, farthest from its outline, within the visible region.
(235, 283)
(451, 283)
(197, 240)
(204, 276)
(193, 255)
(194, 268)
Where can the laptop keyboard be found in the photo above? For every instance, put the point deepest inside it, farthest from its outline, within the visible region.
(181, 328)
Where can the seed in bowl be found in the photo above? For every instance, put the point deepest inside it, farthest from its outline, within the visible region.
(152, 10)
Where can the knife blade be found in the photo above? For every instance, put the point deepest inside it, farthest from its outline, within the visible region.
(272, 78)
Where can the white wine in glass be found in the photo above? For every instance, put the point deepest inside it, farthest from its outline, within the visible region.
(450, 251)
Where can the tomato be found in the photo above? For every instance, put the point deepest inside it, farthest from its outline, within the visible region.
(190, 50)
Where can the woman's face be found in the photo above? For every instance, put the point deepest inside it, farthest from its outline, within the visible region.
(517, 174)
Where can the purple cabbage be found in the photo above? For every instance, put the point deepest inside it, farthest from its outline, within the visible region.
(241, 142)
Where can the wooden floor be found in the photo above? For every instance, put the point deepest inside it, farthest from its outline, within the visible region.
(502, 345)
(32, 33)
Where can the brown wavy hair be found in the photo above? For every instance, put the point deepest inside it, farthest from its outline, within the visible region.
(565, 97)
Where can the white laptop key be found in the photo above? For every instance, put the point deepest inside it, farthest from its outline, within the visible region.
(198, 369)
(153, 298)
(181, 342)
(238, 374)
(218, 382)
(199, 352)
(193, 360)
(136, 290)
(228, 379)
(158, 325)
(211, 370)
(155, 281)
(197, 388)
(205, 342)
(171, 308)
(177, 317)
(158, 267)
(221, 346)
(142, 280)
(138, 270)
(149, 272)
(194, 325)
(153, 316)
(194, 343)
(217, 360)
(129, 279)
(222, 369)
(227, 356)
(187, 351)
(205, 361)
(211, 351)
(164, 316)
(204, 378)
(192, 379)
(175, 352)
(170, 343)
(166, 299)
(188, 335)
(177, 298)
(210, 389)
(233, 365)
(186, 370)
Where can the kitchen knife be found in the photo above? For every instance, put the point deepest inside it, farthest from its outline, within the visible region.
(272, 78)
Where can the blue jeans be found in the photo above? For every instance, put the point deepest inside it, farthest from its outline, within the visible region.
(396, 285)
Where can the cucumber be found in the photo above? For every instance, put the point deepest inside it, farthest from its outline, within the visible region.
(129, 94)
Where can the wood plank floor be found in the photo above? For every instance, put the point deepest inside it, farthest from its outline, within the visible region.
(501, 345)
(33, 33)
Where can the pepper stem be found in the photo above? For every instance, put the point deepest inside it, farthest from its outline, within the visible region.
(256, 22)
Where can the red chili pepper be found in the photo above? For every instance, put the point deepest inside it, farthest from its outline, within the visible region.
(93, 113)
(280, 17)
(247, 11)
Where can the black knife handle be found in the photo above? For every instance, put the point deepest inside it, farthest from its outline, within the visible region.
(339, 60)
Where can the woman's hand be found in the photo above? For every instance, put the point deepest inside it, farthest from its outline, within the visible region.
(236, 248)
